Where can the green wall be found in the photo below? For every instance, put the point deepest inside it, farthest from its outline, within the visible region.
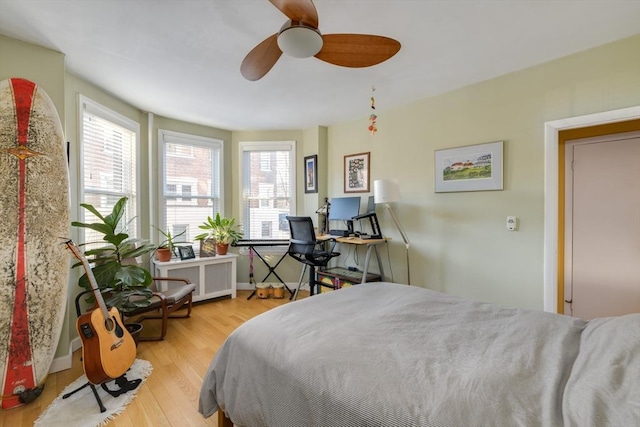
(459, 240)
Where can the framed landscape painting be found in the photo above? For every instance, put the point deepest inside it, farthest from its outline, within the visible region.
(472, 168)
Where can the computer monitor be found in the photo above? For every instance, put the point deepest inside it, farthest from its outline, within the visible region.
(344, 209)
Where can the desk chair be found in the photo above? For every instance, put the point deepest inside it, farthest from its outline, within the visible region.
(304, 248)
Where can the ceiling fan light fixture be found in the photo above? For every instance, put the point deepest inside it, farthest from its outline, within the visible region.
(299, 40)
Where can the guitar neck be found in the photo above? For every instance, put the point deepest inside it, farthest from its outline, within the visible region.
(92, 279)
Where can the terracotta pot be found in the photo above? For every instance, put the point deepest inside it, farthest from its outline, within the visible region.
(163, 254)
(221, 248)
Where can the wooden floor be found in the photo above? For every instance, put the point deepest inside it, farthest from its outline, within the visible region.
(169, 397)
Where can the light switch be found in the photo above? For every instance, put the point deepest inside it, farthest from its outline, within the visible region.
(512, 223)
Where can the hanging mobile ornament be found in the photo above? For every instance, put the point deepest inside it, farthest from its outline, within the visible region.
(372, 118)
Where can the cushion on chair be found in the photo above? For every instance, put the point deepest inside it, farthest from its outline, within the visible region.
(171, 296)
(176, 294)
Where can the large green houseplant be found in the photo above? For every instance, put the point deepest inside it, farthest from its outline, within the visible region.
(224, 231)
(123, 283)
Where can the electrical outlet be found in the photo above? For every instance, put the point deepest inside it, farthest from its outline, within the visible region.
(512, 223)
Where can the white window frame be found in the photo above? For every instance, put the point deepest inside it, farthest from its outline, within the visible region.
(90, 106)
(290, 146)
(167, 136)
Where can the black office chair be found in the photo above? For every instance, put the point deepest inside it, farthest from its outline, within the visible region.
(304, 247)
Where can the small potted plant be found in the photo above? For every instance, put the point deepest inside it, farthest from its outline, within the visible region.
(167, 248)
(225, 231)
(123, 283)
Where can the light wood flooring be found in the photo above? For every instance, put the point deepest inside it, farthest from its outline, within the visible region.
(169, 397)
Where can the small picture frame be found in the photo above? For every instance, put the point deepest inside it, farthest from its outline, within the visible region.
(311, 174)
(207, 247)
(186, 252)
(472, 168)
(356, 173)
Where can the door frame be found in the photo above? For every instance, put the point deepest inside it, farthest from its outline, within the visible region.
(554, 137)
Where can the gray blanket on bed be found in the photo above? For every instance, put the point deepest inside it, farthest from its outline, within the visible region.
(383, 354)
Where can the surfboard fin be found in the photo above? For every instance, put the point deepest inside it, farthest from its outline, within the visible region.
(30, 395)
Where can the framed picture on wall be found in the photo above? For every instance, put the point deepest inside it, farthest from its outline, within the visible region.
(472, 168)
(356, 173)
(311, 174)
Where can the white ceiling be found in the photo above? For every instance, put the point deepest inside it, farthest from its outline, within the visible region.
(181, 58)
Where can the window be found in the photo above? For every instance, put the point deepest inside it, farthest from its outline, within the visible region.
(191, 182)
(266, 229)
(268, 193)
(265, 162)
(186, 193)
(108, 152)
(180, 230)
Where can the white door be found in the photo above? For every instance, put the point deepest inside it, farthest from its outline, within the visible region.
(602, 227)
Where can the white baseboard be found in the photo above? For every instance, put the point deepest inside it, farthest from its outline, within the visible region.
(64, 362)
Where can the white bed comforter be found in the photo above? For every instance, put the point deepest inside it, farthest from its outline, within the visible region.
(388, 355)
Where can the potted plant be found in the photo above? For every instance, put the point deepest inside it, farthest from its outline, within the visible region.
(225, 231)
(167, 248)
(122, 283)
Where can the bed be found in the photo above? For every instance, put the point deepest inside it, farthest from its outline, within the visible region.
(383, 354)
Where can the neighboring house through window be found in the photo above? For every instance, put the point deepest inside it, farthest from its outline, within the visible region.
(191, 182)
(108, 152)
(267, 179)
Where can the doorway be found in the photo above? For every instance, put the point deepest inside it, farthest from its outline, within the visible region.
(553, 267)
(602, 226)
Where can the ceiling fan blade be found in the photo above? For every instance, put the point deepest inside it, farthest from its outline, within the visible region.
(357, 50)
(298, 10)
(261, 59)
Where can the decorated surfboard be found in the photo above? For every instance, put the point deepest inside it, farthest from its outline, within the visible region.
(34, 215)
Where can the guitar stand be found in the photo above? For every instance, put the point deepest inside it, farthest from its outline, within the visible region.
(95, 393)
(122, 382)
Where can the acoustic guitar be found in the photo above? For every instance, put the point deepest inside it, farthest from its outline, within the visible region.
(108, 350)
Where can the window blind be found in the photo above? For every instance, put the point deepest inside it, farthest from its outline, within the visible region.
(268, 188)
(109, 144)
(191, 180)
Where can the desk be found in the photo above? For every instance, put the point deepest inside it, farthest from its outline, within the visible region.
(252, 245)
(372, 244)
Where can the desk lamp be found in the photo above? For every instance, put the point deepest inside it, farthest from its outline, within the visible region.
(387, 191)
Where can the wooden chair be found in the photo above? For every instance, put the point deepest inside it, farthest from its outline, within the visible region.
(164, 303)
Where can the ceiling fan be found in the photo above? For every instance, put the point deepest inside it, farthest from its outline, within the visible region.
(300, 37)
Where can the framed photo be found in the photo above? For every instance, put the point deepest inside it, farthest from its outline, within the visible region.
(311, 174)
(186, 252)
(207, 247)
(471, 168)
(356, 173)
